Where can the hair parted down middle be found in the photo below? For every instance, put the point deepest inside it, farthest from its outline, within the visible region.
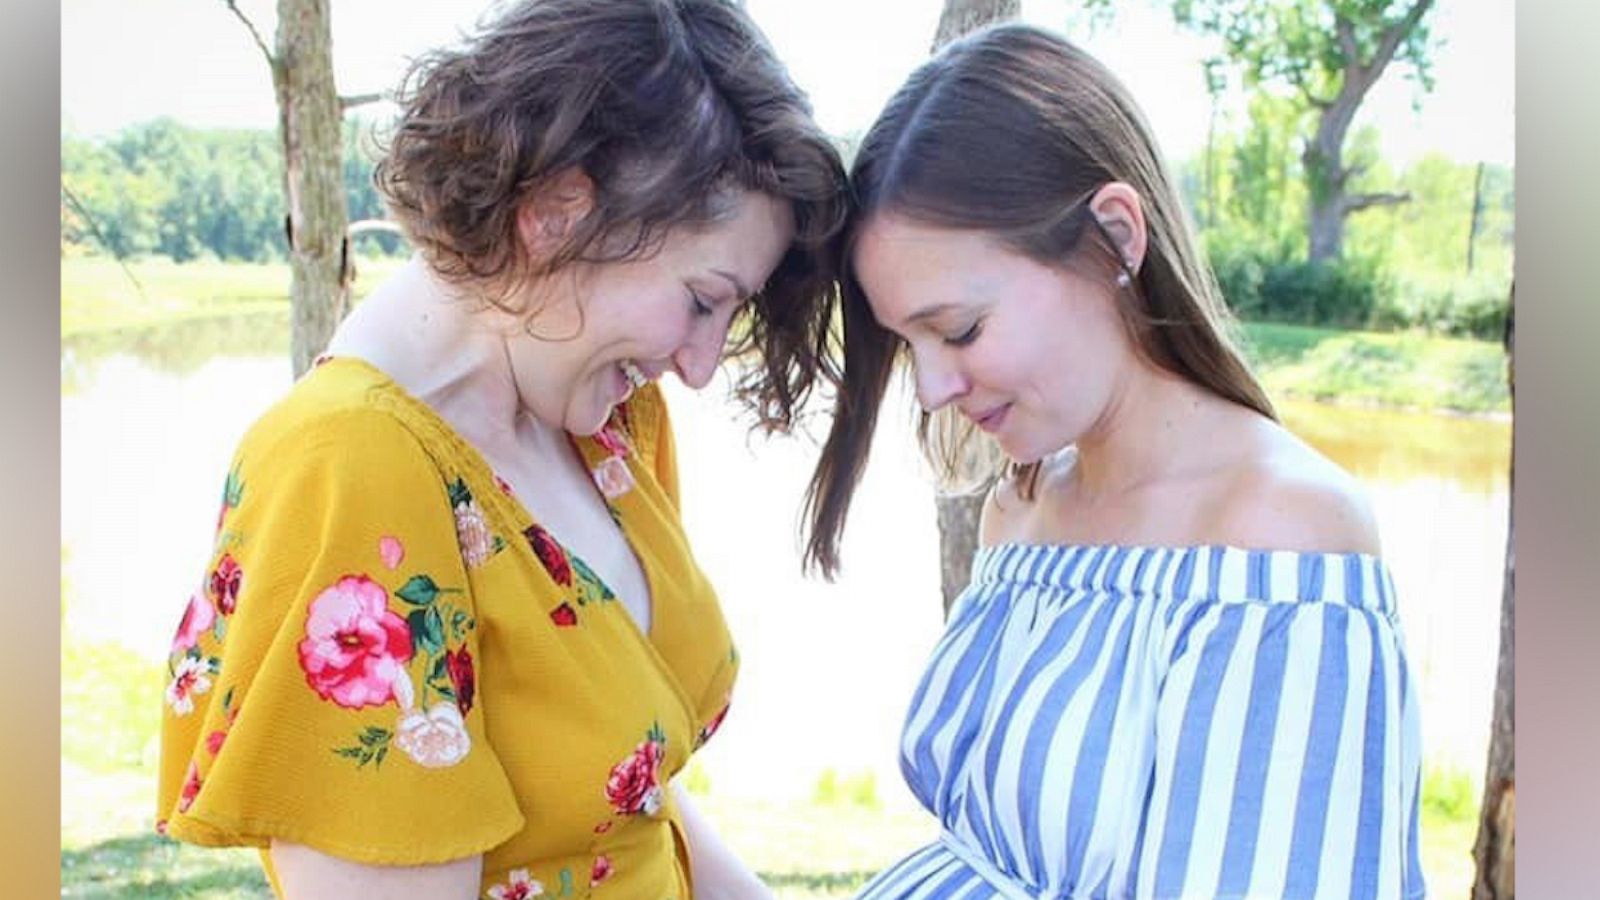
(668, 106)
(1011, 131)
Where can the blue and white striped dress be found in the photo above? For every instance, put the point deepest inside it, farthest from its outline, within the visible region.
(1151, 722)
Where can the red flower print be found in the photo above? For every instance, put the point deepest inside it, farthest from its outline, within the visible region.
(355, 648)
(602, 828)
(634, 785)
(214, 740)
(711, 727)
(197, 617)
(224, 584)
(461, 677)
(601, 870)
(191, 788)
(518, 886)
(564, 615)
(501, 484)
(161, 827)
(550, 554)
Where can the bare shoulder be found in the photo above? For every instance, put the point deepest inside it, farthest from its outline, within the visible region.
(1011, 508)
(1291, 497)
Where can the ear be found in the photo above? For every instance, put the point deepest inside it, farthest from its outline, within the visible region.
(1118, 207)
(547, 214)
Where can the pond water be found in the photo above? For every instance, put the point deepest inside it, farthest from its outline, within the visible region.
(149, 420)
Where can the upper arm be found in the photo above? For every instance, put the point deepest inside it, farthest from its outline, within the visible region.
(306, 873)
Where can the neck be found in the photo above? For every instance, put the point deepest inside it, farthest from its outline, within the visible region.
(444, 347)
(1151, 427)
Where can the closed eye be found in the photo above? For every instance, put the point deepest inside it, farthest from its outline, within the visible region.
(966, 337)
(700, 307)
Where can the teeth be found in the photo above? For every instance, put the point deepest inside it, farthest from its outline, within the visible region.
(634, 376)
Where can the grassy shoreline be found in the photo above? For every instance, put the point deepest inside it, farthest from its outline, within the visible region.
(1390, 370)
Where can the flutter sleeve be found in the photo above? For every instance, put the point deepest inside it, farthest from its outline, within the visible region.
(321, 683)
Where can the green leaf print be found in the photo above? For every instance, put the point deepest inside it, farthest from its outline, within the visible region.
(419, 590)
(590, 587)
(459, 493)
(427, 632)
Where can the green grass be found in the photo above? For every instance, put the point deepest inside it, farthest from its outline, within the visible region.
(98, 294)
(1403, 370)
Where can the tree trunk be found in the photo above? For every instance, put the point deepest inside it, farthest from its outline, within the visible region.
(309, 123)
(958, 515)
(962, 16)
(1495, 850)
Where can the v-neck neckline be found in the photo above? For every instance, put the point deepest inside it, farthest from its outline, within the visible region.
(584, 446)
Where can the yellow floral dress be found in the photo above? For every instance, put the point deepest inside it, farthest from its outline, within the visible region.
(390, 661)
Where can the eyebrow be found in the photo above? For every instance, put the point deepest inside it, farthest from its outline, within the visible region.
(744, 292)
(928, 312)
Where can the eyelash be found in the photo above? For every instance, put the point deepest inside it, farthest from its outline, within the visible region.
(966, 337)
(699, 306)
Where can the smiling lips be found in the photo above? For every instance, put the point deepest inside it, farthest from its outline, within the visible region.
(990, 421)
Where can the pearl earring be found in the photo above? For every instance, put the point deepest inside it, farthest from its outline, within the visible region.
(1122, 279)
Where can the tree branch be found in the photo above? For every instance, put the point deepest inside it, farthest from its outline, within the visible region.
(94, 226)
(365, 225)
(272, 61)
(1358, 202)
(1390, 42)
(351, 102)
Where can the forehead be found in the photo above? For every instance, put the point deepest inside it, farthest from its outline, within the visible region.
(900, 260)
(751, 231)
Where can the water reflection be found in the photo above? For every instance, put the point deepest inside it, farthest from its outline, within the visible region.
(150, 417)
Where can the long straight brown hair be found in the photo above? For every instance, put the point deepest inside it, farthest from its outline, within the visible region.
(1011, 130)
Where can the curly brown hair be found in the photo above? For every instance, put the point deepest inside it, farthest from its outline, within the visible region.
(665, 105)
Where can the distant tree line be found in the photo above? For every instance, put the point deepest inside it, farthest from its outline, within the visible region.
(1441, 261)
(164, 189)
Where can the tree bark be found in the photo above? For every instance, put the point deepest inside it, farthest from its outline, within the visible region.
(1495, 849)
(309, 125)
(963, 16)
(958, 515)
(1323, 157)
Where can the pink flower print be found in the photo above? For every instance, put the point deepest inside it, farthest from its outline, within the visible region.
(197, 619)
(473, 534)
(601, 870)
(191, 788)
(224, 584)
(613, 477)
(214, 741)
(191, 678)
(518, 886)
(634, 785)
(434, 739)
(355, 647)
(391, 551)
(612, 441)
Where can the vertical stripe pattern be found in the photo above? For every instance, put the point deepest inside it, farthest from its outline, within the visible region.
(1149, 722)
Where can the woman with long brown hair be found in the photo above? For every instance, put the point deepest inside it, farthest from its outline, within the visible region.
(1177, 670)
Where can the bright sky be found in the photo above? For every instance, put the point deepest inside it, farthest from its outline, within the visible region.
(125, 62)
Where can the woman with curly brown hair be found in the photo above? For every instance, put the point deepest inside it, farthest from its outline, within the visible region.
(452, 641)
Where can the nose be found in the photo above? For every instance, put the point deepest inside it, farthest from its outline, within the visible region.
(696, 360)
(937, 384)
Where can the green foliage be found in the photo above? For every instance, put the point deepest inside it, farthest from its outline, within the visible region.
(1396, 370)
(859, 790)
(110, 705)
(161, 188)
